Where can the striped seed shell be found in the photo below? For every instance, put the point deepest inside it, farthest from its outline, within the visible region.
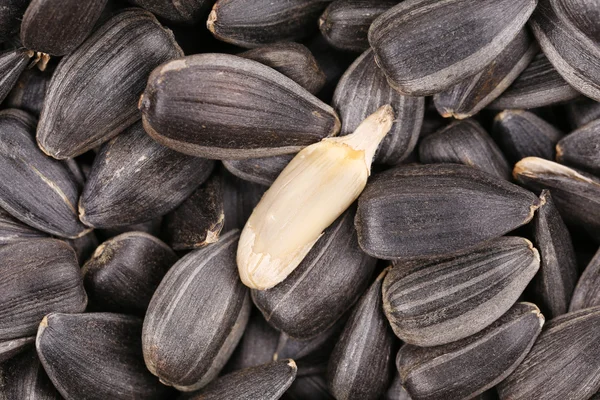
(582, 111)
(134, 179)
(473, 94)
(464, 369)
(38, 277)
(581, 148)
(12, 64)
(563, 363)
(265, 382)
(313, 387)
(11, 13)
(29, 92)
(293, 60)
(523, 134)
(124, 272)
(253, 23)
(12, 230)
(465, 142)
(439, 300)
(363, 89)
(427, 46)
(263, 170)
(239, 199)
(587, 291)
(94, 91)
(361, 364)
(186, 12)
(23, 377)
(96, 356)
(345, 23)
(244, 109)
(196, 317)
(427, 210)
(34, 188)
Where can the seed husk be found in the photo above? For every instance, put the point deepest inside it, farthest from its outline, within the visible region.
(11, 14)
(184, 12)
(396, 391)
(196, 317)
(582, 112)
(12, 64)
(416, 65)
(563, 362)
(581, 148)
(265, 382)
(523, 134)
(464, 369)
(29, 92)
(361, 91)
(253, 23)
(439, 300)
(12, 230)
(313, 387)
(465, 142)
(263, 170)
(134, 179)
(361, 364)
(345, 23)
(437, 209)
(93, 93)
(587, 291)
(244, 109)
(24, 378)
(75, 348)
(293, 60)
(329, 280)
(239, 199)
(320, 183)
(124, 272)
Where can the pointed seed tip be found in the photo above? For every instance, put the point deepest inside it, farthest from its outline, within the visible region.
(212, 18)
(292, 364)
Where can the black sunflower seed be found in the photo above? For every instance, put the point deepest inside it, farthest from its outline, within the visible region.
(263, 170)
(11, 14)
(587, 291)
(12, 64)
(29, 92)
(185, 12)
(24, 378)
(581, 148)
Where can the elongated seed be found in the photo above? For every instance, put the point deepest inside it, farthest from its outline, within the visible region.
(582, 111)
(29, 92)
(184, 12)
(12, 230)
(12, 64)
(587, 292)
(23, 377)
(581, 149)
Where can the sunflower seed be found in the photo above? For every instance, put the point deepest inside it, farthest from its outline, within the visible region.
(29, 91)
(464, 369)
(396, 391)
(11, 14)
(427, 210)
(239, 199)
(582, 112)
(12, 64)
(151, 227)
(263, 170)
(587, 291)
(12, 230)
(581, 149)
(84, 246)
(93, 93)
(24, 378)
(313, 387)
(186, 12)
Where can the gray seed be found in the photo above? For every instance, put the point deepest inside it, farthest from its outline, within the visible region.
(582, 111)
(396, 391)
(184, 12)
(587, 291)
(581, 148)
(12, 64)
(239, 198)
(262, 170)
(29, 92)
(313, 387)
(12, 230)
(24, 378)
(11, 347)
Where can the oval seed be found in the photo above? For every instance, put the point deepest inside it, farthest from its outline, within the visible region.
(581, 148)
(23, 377)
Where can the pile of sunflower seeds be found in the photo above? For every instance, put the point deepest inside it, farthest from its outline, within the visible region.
(299, 199)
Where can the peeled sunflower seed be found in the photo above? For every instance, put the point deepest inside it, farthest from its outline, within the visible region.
(96, 356)
(293, 60)
(563, 363)
(361, 91)
(12, 230)
(523, 134)
(239, 199)
(134, 179)
(263, 170)
(361, 364)
(227, 107)
(35, 189)
(329, 280)
(464, 369)
(11, 13)
(125, 271)
(581, 149)
(465, 142)
(345, 23)
(265, 382)
(587, 293)
(196, 317)
(313, 387)
(185, 12)
(24, 378)
(473, 94)
(12, 64)
(440, 300)
(320, 183)
(39, 276)
(29, 91)
(416, 65)
(253, 23)
(582, 112)
(98, 85)
(437, 209)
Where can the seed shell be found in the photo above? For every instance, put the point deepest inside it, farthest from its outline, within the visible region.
(396, 391)
(582, 112)
(587, 291)
(581, 148)
(151, 227)
(24, 378)
(185, 12)
(12, 64)
(239, 199)
(263, 170)
(313, 387)
(11, 14)
(29, 92)
(12, 230)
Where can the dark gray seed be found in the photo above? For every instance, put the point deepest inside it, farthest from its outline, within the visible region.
(523, 134)
(239, 199)
(293, 60)
(396, 391)
(35, 189)
(59, 30)
(29, 92)
(96, 356)
(361, 91)
(345, 23)
(361, 364)
(581, 148)
(326, 284)
(12, 64)
(469, 36)
(38, 277)
(11, 14)
(24, 378)
(124, 272)
(94, 91)
(196, 317)
(199, 219)
(253, 23)
(563, 363)
(554, 284)
(227, 107)
(262, 170)
(185, 12)
(151, 227)
(9, 348)
(12, 230)
(427, 210)
(582, 112)
(313, 387)
(465, 142)
(134, 179)
(84, 246)
(473, 94)
(464, 369)
(587, 291)
(539, 85)
(444, 299)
